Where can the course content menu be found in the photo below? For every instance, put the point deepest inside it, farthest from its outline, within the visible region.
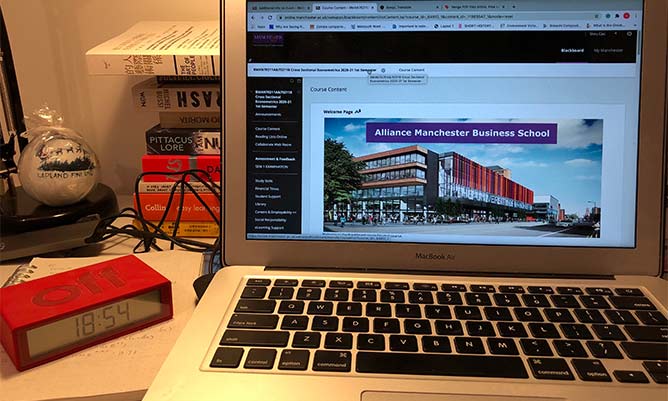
(274, 155)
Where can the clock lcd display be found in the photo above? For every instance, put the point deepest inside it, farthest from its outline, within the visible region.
(93, 323)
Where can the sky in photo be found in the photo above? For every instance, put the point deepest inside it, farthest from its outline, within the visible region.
(569, 170)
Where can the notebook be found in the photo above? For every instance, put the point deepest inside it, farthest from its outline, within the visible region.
(437, 201)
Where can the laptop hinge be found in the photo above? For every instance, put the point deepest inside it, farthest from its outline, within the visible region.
(444, 273)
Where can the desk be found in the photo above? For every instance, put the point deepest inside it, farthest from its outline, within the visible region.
(121, 369)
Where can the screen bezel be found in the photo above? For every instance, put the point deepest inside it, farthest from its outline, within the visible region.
(644, 259)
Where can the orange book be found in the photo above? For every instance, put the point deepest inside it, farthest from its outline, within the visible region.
(154, 205)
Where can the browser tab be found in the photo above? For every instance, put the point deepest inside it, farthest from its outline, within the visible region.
(350, 8)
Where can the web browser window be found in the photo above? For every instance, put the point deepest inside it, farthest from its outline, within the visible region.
(468, 122)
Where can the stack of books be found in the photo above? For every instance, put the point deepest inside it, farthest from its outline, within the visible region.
(184, 90)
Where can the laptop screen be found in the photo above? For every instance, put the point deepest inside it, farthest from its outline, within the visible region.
(446, 122)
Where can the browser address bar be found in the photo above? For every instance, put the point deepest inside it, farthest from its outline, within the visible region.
(442, 16)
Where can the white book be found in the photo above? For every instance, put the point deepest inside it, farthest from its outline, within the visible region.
(150, 95)
(190, 48)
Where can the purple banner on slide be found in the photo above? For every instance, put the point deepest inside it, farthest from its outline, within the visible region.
(462, 132)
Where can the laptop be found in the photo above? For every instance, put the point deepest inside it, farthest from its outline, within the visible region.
(437, 200)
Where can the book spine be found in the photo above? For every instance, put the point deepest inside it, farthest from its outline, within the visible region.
(144, 64)
(175, 141)
(153, 206)
(177, 98)
(200, 229)
(179, 163)
(190, 120)
(166, 187)
(179, 79)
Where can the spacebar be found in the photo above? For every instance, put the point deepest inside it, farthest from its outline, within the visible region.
(441, 365)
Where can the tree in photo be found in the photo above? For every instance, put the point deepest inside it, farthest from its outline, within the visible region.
(341, 173)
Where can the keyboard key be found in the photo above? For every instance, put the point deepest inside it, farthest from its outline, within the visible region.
(396, 286)
(544, 330)
(281, 293)
(260, 358)
(647, 333)
(420, 297)
(598, 291)
(512, 289)
(469, 345)
(506, 300)
(340, 284)
(468, 313)
(406, 310)
(292, 359)
(565, 301)
(629, 292)
(437, 312)
(336, 294)
(550, 369)
(656, 367)
(291, 307)
(369, 284)
(646, 351)
(535, 300)
(281, 282)
(441, 365)
(349, 309)
(652, 318)
(482, 288)
(453, 287)
(355, 324)
(569, 291)
(364, 295)
(436, 344)
(576, 331)
(533, 347)
(622, 316)
(480, 329)
(313, 283)
(502, 346)
(630, 376)
(417, 326)
(311, 294)
(604, 349)
(332, 361)
(513, 329)
(449, 298)
(325, 323)
(261, 282)
(660, 378)
(392, 296)
(379, 310)
(371, 342)
(589, 316)
(252, 321)
(320, 308)
(227, 357)
(257, 338)
(339, 341)
(528, 315)
(255, 306)
(558, 315)
(449, 327)
(492, 313)
(608, 332)
(425, 287)
(386, 325)
(477, 299)
(594, 302)
(632, 303)
(294, 322)
(306, 339)
(403, 343)
(540, 290)
(569, 348)
(591, 370)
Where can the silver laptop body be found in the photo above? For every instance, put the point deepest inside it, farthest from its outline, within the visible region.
(407, 183)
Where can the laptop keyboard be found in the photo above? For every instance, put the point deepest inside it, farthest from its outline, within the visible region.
(446, 329)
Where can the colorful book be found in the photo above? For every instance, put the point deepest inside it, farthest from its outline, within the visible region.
(182, 141)
(191, 120)
(153, 206)
(200, 229)
(150, 95)
(166, 187)
(180, 163)
(160, 48)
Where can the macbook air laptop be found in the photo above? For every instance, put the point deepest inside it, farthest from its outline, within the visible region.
(437, 200)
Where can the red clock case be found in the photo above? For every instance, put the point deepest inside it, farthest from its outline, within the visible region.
(45, 300)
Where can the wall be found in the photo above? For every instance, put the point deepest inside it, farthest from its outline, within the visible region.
(49, 40)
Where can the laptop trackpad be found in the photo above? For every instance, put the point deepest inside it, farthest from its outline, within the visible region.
(394, 396)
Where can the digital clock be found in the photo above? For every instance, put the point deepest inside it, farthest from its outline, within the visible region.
(54, 316)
